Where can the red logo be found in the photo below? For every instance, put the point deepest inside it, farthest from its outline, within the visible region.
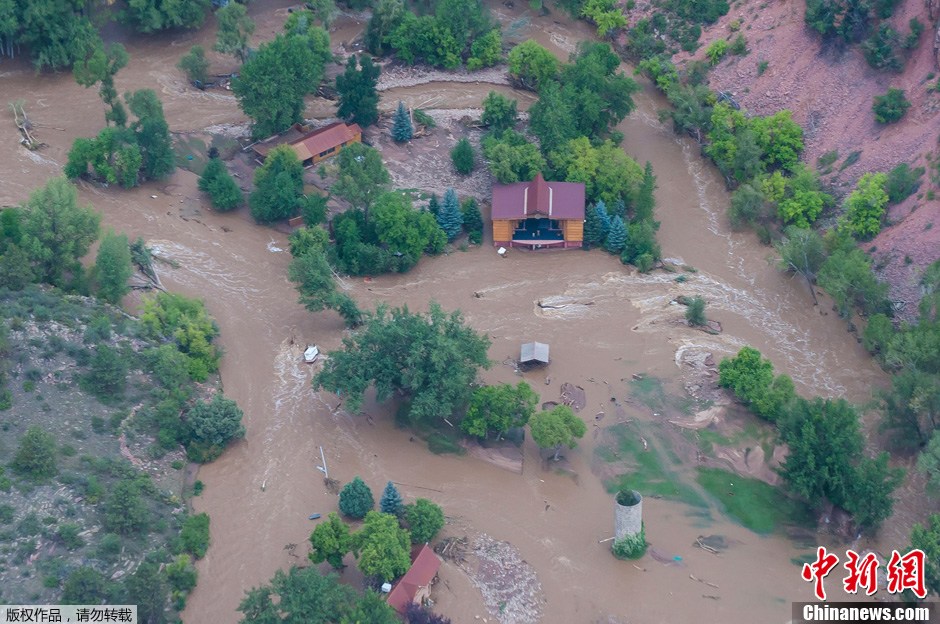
(904, 572)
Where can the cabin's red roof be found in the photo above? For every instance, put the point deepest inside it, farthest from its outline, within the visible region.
(321, 140)
(423, 568)
(555, 200)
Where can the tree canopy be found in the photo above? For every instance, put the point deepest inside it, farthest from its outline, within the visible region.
(496, 409)
(213, 425)
(751, 377)
(425, 519)
(235, 28)
(330, 542)
(432, 359)
(272, 83)
(556, 428)
(149, 16)
(355, 499)
(358, 98)
(279, 186)
(113, 267)
(56, 231)
(382, 548)
(362, 175)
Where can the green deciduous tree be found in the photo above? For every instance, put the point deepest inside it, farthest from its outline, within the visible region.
(556, 428)
(912, 405)
(642, 249)
(386, 16)
(512, 158)
(402, 128)
(848, 278)
(101, 66)
(272, 84)
(425, 519)
(496, 409)
(220, 186)
(16, 270)
(606, 171)
(405, 232)
(432, 359)
(57, 33)
(194, 535)
(751, 377)
(865, 206)
(645, 195)
(299, 596)
(927, 539)
(391, 502)
(802, 251)
(36, 455)
(330, 542)
(382, 548)
(149, 16)
(869, 500)
(358, 98)
(355, 499)
(362, 176)
(235, 29)
(486, 50)
(123, 510)
(552, 118)
(113, 267)
(152, 134)
(195, 64)
(212, 426)
(890, 107)
(86, 586)
(532, 65)
(185, 322)
(316, 285)
(107, 373)
(279, 186)
(462, 157)
(450, 218)
(695, 312)
(57, 232)
(499, 112)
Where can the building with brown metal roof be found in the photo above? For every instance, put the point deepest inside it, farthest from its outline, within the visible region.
(538, 214)
(314, 146)
(415, 586)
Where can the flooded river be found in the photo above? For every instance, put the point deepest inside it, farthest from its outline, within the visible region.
(618, 324)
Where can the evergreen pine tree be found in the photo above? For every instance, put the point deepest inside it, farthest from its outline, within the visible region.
(616, 236)
(472, 220)
(450, 218)
(462, 157)
(619, 209)
(434, 205)
(358, 98)
(391, 502)
(597, 224)
(402, 130)
(645, 200)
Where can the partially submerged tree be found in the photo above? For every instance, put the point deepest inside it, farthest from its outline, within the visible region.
(497, 409)
(382, 547)
(220, 186)
(695, 312)
(557, 427)
(235, 29)
(355, 499)
(392, 353)
(330, 542)
(195, 64)
(101, 66)
(212, 426)
(279, 186)
(358, 98)
(425, 520)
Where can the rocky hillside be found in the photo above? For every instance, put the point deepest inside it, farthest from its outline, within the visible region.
(829, 85)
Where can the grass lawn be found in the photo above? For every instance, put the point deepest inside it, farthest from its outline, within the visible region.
(758, 506)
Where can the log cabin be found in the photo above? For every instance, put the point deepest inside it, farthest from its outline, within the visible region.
(538, 214)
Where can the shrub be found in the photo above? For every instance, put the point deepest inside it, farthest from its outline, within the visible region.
(195, 64)
(220, 186)
(631, 546)
(6, 513)
(181, 574)
(211, 427)
(462, 157)
(716, 51)
(36, 456)
(86, 586)
(695, 313)
(355, 500)
(107, 376)
(123, 509)
(68, 534)
(195, 535)
(425, 519)
(109, 548)
(739, 46)
(903, 182)
(891, 106)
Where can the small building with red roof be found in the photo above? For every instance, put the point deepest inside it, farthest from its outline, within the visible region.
(538, 214)
(415, 585)
(312, 146)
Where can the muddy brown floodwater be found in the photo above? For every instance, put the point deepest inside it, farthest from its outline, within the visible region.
(617, 323)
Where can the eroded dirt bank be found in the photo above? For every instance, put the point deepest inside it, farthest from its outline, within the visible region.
(614, 324)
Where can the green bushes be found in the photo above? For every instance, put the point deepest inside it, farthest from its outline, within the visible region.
(220, 186)
(462, 157)
(716, 51)
(890, 107)
(123, 510)
(194, 536)
(211, 427)
(751, 378)
(425, 519)
(36, 456)
(630, 546)
(186, 322)
(902, 182)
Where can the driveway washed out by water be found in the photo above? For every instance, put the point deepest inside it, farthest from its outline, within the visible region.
(609, 324)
